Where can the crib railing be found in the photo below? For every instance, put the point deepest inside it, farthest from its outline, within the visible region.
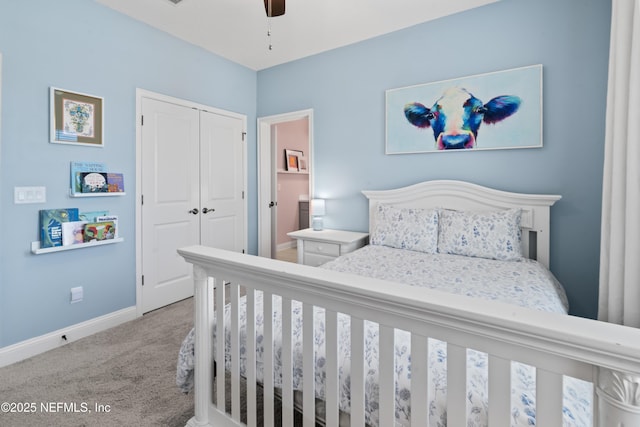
(604, 354)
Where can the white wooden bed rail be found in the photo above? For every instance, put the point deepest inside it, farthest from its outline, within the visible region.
(606, 355)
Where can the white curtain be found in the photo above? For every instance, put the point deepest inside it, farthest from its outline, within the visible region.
(620, 243)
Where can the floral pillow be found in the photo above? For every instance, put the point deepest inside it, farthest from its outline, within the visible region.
(406, 228)
(494, 235)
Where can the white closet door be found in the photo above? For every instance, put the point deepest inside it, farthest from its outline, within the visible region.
(170, 188)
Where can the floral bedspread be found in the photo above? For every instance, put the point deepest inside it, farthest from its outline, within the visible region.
(525, 283)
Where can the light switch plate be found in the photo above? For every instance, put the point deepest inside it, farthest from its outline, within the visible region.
(22, 195)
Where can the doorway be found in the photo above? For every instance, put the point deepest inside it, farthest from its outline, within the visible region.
(190, 190)
(274, 207)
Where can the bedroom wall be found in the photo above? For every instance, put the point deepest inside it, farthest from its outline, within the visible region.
(83, 46)
(346, 88)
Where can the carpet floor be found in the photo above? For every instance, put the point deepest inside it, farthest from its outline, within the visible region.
(124, 376)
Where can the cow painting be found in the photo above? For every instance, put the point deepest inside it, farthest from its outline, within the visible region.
(457, 115)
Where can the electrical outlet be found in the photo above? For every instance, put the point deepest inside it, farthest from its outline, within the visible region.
(76, 294)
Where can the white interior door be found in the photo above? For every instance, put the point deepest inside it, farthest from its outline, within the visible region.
(192, 189)
(222, 153)
(171, 192)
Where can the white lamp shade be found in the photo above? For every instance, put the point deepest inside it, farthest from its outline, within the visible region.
(317, 207)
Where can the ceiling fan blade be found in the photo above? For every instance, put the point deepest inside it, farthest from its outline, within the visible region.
(274, 7)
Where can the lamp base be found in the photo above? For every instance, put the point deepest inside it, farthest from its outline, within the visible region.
(317, 223)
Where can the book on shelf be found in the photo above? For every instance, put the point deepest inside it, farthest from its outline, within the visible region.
(115, 182)
(99, 231)
(90, 216)
(112, 218)
(51, 225)
(93, 182)
(79, 167)
(73, 232)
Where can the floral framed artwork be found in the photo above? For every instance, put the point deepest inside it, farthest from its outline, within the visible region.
(498, 110)
(292, 160)
(76, 118)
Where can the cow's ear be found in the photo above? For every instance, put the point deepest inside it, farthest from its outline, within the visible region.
(418, 115)
(500, 107)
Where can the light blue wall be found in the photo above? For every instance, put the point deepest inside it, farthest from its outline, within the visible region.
(83, 46)
(346, 88)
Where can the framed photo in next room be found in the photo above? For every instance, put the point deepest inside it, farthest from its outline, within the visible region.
(76, 118)
(491, 111)
(292, 160)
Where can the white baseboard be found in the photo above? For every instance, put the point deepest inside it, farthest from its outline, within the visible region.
(34, 346)
(287, 245)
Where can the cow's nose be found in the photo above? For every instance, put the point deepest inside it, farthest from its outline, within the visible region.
(456, 141)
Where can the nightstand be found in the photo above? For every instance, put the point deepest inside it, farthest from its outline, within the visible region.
(317, 247)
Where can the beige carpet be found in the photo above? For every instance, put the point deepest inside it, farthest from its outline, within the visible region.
(127, 371)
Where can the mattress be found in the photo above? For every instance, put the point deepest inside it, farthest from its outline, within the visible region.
(525, 283)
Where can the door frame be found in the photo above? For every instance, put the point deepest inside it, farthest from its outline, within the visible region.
(140, 94)
(266, 174)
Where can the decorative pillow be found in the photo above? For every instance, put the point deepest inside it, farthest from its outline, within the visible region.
(406, 228)
(494, 235)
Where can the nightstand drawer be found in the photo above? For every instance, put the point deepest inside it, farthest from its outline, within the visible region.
(315, 260)
(322, 248)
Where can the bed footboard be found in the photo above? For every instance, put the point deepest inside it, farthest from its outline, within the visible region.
(605, 355)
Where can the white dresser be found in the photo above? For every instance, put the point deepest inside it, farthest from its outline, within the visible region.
(317, 247)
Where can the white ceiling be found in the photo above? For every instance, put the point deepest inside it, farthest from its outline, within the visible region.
(237, 29)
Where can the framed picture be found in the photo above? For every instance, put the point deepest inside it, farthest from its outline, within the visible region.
(292, 160)
(302, 164)
(76, 118)
(488, 111)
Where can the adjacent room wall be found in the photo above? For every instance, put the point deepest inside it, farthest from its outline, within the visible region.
(346, 88)
(83, 46)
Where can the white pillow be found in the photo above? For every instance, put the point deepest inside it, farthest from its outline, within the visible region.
(406, 228)
(494, 235)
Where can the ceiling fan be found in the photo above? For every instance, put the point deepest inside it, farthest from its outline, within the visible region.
(274, 7)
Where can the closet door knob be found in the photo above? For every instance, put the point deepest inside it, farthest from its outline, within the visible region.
(194, 211)
(206, 210)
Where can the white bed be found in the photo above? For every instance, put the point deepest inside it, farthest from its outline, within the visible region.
(351, 381)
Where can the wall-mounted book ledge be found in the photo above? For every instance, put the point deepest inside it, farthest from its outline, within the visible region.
(37, 250)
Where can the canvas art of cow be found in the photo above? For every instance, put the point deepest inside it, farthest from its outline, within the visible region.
(457, 115)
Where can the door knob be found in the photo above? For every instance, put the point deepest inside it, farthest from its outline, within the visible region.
(194, 211)
(205, 210)
(272, 204)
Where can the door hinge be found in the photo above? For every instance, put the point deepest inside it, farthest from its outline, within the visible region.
(243, 251)
(143, 280)
(242, 194)
(142, 199)
(141, 120)
(243, 135)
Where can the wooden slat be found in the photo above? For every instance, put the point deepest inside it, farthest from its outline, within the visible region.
(287, 367)
(332, 384)
(499, 392)
(267, 342)
(235, 350)
(548, 398)
(419, 380)
(456, 385)
(387, 398)
(357, 373)
(252, 412)
(308, 367)
(220, 344)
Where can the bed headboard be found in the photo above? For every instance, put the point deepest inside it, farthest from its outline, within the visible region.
(459, 195)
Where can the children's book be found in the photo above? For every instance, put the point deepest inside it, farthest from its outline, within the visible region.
(99, 231)
(115, 182)
(51, 225)
(90, 216)
(73, 232)
(93, 182)
(78, 167)
(112, 218)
